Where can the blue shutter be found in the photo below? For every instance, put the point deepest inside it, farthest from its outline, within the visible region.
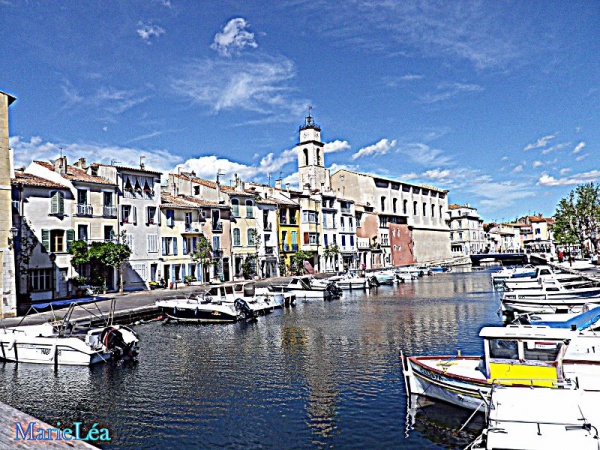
(175, 246)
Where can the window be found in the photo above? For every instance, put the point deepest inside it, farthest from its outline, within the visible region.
(311, 238)
(283, 216)
(318, 157)
(251, 236)
(541, 351)
(57, 241)
(169, 246)
(305, 156)
(57, 202)
(424, 209)
(151, 215)
(432, 210)
(82, 232)
(249, 208)
(196, 190)
(309, 216)
(414, 208)
(237, 241)
(152, 242)
(170, 213)
(383, 203)
(235, 207)
(405, 206)
(503, 349)
(216, 243)
(128, 214)
(342, 224)
(40, 279)
(188, 220)
(109, 233)
(395, 205)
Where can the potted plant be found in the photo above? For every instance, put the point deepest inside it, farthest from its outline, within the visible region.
(189, 279)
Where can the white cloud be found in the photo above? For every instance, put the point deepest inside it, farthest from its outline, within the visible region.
(582, 157)
(579, 147)
(106, 98)
(564, 171)
(537, 164)
(258, 86)
(233, 38)
(580, 178)
(38, 149)
(336, 146)
(555, 147)
(446, 91)
(380, 148)
(518, 169)
(147, 32)
(541, 142)
(424, 155)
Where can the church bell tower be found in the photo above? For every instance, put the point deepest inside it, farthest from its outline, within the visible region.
(311, 157)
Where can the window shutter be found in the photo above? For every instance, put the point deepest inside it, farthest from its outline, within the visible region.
(133, 215)
(185, 247)
(175, 246)
(70, 238)
(61, 202)
(164, 246)
(306, 238)
(46, 240)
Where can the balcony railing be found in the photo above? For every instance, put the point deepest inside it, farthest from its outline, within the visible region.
(217, 226)
(84, 210)
(268, 226)
(109, 211)
(269, 250)
(345, 210)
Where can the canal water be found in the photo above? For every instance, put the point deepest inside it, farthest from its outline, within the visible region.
(318, 375)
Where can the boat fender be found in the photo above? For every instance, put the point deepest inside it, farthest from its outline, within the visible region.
(12, 343)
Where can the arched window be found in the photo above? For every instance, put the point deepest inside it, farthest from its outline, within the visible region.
(414, 208)
(382, 204)
(306, 157)
(235, 207)
(394, 205)
(251, 236)
(236, 237)
(424, 209)
(405, 207)
(318, 157)
(249, 208)
(432, 210)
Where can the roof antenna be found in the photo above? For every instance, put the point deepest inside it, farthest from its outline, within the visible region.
(114, 161)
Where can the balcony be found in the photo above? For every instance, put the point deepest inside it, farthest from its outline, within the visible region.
(109, 211)
(269, 250)
(217, 226)
(84, 210)
(268, 226)
(192, 228)
(345, 210)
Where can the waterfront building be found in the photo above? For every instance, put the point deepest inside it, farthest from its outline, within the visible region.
(466, 230)
(416, 214)
(138, 211)
(370, 255)
(267, 237)
(339, 233)
(8, 230)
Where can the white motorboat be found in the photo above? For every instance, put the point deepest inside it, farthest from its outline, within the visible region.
(541, 419)
(384, 276)
(505, 273)
(304, 288)
(542, 273)
(551, 297)
(588, 319)
(60, 342)
(349, 281)
(513, 355)
(205, 309)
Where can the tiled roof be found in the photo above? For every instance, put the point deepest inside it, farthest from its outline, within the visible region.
(27, 179)
(76, 174)
(169, 201)
(201, 202)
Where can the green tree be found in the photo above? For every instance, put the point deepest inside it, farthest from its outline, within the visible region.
(298, 259)
(203, 253)
(577, 216)
(101, 256)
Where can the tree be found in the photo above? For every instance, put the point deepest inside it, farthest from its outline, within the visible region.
(577, 216)
(298, 259)
(203, 253)
(100, 256)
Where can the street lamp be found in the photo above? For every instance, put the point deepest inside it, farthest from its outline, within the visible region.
(14, 232)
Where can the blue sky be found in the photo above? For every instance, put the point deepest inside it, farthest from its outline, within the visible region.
(497, 101)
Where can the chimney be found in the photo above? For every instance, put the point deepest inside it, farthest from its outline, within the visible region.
(278, 183)
(81, 163)
(287, 186)
(306, 189)
(60, 165)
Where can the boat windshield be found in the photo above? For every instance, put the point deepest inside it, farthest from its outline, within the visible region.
(541, 351)
(504, 349)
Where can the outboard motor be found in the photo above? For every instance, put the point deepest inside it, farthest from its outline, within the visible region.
(334, 289)
(243, 306)
(373, 281)
(121, 341)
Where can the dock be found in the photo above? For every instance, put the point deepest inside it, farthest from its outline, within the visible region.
(10, 416)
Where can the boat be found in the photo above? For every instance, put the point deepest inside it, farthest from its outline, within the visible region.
(542, 273)
(303, 287)
(505, 273)
(551, 297)
(67, 342)
(407, 273)
(205, 309)
(528, 418)
(513, 355)
(350, 281)
(384, 277)
(589, 319)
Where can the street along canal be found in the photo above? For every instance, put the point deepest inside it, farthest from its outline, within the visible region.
(318, 375)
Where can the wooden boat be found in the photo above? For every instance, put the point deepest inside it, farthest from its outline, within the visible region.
(541, 419)
(513, 355)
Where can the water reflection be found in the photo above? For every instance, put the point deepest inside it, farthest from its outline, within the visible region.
(322, 374)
